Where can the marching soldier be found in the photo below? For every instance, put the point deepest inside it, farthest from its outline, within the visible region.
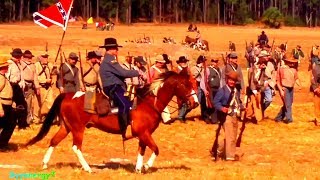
(298, 53)
(315, 87)
(233, 66)
(229, 106)
(44, 71)
(131, 82)
(16, 79)
(214, 82)
(7, 121)
(112, 76)
(91, 75)
(140, 63)
(158, 68)
(32, 87)
(69, 76)
(197, 73)
(286, 78)
(314, 54)
(182, 67)
(168, 62)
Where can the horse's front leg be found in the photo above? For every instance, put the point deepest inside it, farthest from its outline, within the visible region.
(139, 164)
(77, 143)
(152, 145)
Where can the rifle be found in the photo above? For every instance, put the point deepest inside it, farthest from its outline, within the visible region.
(47, 47)
(286, 46)
(224, 59)
(81, 69)
(243, 117)
(208, 100)
(130, 89)
(272, 46)
(222, 118)
(61, 69)
(148, 67)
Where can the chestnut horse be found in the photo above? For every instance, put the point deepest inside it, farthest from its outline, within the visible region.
(145, 118)
(190, 40)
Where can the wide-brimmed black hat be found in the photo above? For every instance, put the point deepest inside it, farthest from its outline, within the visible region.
(94, 54)
(166, 58)
(182, 59)
(17, 52)
(214, 60)
(110, 43)
(201, 59)
(28, 54)
(140, 60)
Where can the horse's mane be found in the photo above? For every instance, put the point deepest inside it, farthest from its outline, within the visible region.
(157, 82)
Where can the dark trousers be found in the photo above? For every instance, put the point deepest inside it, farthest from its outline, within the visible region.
(116, 92)
(7, 124)
(21, 111)
(212, 111)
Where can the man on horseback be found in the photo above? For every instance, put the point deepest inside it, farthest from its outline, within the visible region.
(263, 38)
(198, 40)
(113, 76)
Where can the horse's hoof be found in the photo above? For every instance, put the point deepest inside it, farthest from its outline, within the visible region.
(45, 166)
(88, 170)
(139, 171)
(146, 167)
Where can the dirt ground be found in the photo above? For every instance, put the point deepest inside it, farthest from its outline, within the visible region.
(271, 150)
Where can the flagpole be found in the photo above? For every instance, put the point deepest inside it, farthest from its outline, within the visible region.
(64, 30)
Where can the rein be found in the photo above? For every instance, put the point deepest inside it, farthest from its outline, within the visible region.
(156, 99)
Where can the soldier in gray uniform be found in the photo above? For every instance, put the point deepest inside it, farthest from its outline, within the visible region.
(69, 76)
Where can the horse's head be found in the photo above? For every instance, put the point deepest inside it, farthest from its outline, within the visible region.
(184, 89)
(173, 84)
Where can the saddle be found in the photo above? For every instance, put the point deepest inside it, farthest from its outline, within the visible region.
(97, 103)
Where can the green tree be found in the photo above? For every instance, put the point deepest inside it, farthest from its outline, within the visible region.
(272, 17)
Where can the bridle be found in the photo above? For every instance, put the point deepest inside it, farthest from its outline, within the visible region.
(185, 99)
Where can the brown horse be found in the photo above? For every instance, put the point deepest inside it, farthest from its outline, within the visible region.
(190, 40)
(145, 118)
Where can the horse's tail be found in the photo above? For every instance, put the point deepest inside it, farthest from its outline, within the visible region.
(54, 111)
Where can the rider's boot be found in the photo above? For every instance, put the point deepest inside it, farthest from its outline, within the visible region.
(125, 127)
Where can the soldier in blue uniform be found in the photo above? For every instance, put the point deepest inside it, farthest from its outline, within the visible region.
(112, 76)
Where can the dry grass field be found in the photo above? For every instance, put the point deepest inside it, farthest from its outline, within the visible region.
(271, 150)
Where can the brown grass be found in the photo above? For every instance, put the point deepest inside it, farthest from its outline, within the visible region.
(272, 151)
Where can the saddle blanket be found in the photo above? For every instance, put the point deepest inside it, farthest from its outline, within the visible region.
(89, 106)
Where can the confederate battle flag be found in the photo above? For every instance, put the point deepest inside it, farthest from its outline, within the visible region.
(57, 14)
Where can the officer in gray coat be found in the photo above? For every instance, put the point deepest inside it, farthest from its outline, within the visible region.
(69, 76)
(112, 76)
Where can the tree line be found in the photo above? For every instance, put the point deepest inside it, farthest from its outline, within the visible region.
(224, 12)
